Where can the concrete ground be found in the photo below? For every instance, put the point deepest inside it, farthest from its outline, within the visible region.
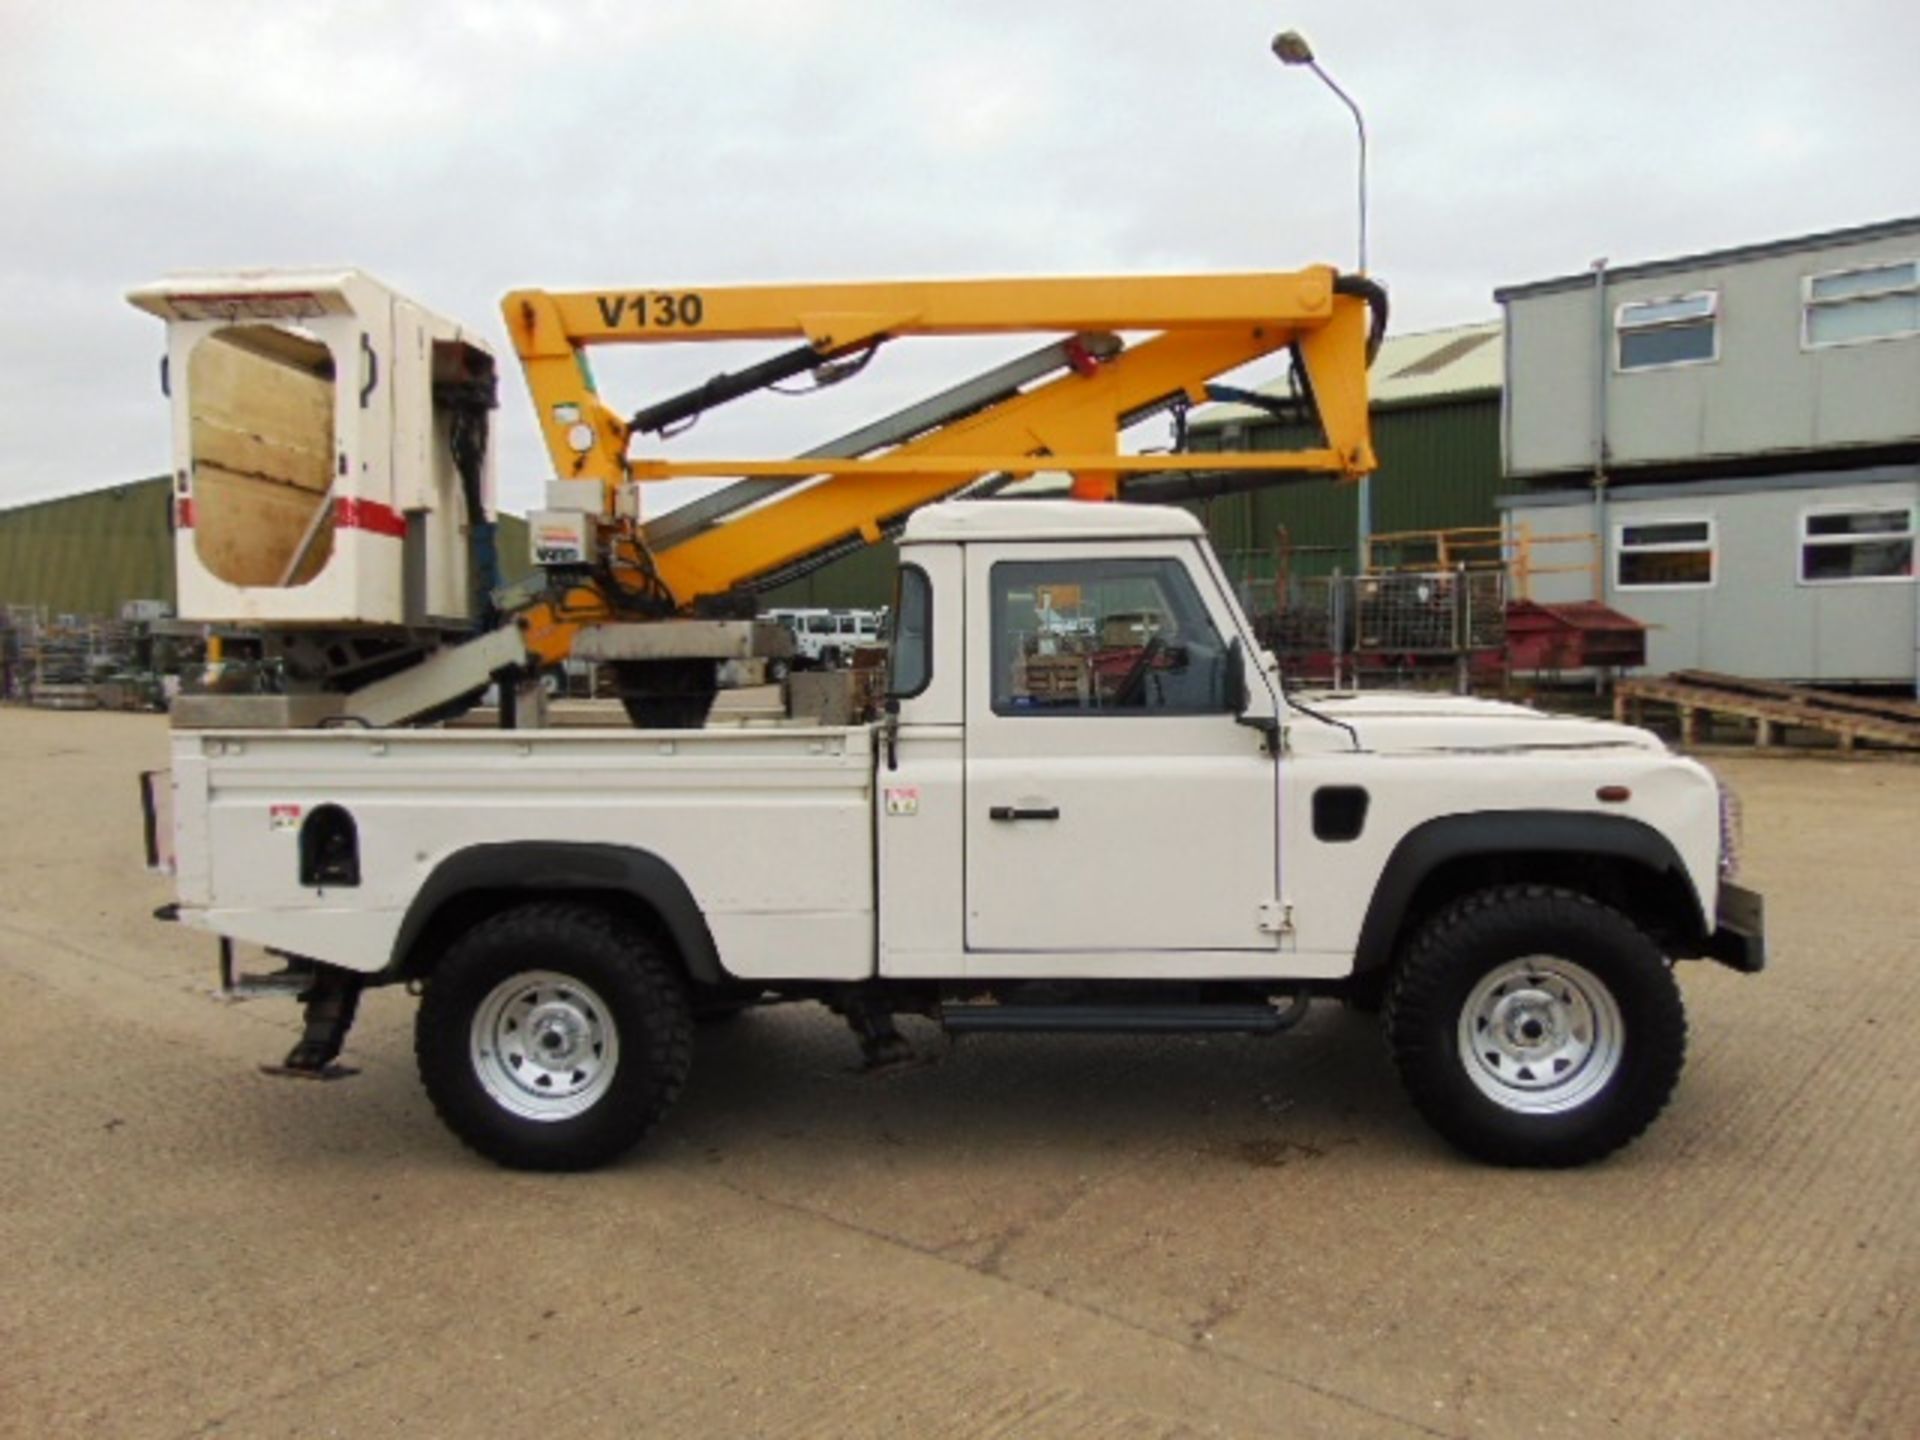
(1033, 1237)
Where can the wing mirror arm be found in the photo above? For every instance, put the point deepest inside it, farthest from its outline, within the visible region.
(1241, 694)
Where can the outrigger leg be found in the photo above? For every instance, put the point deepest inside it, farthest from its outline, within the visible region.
(331, 1002)
(881, 1043)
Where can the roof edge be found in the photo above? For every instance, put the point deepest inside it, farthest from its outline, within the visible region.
(1438, 400)
(59, 497)
(1732, 255)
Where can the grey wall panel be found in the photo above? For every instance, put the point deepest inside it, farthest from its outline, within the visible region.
(1757, 619)
(1765, 394)
(1550, 383)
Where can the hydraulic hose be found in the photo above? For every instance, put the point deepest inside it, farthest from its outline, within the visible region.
(1375, 294)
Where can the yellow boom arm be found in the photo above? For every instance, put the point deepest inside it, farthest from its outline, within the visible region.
(1204, 326)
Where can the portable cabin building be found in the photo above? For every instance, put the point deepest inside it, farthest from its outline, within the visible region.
(1740, 430)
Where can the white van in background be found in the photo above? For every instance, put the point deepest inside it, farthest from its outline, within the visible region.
(829, 637)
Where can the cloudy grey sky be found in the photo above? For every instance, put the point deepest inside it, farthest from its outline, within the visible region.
(458, 150)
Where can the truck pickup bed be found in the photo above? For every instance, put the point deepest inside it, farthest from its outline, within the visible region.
(770, 830)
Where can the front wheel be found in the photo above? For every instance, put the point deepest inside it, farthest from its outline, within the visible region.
(1535, 1026)
(553, 1037)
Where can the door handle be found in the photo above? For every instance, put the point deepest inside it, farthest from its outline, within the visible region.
(1013, 812)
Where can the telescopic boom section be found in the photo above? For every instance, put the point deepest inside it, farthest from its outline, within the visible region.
(1200, 326)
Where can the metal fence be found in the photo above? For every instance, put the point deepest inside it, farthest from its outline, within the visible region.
(1397, 628)
(70, 661)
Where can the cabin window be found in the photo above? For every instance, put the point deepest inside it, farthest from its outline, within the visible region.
(1870, 302)
(1664, 555)
(1678, 330)
(1862, 542)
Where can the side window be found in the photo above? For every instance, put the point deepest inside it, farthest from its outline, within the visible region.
(910, 652)
(1867, 542)
(1098, 637)
(1874, 302)
(1664, 555)
(1680, 330)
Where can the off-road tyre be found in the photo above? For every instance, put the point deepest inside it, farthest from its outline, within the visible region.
(1523, 970)
(562, 995)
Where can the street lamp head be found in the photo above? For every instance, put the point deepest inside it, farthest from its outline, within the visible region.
(1292, 48)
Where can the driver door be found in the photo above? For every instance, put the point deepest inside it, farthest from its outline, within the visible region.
(1113, 801)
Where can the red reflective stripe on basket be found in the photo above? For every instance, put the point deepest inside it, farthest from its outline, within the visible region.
(350, 514)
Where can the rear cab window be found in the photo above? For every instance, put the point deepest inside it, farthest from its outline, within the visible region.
(910, 647)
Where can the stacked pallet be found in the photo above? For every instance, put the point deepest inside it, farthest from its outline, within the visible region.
(1770, 707)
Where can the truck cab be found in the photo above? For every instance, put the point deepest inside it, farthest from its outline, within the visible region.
(1086, 740)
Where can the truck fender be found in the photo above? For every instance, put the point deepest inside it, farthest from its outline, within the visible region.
(1501, 833)
(556, 866)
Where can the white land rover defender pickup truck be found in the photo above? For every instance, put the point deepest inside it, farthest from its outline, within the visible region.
(1093, 805)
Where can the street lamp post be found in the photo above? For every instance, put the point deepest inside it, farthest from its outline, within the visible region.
(1292, 49)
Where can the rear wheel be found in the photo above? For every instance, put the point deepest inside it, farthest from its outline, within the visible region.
(553, 1037)
(1535, 1026)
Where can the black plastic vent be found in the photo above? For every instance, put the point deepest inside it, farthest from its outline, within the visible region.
(329, 848)
(1339, 812)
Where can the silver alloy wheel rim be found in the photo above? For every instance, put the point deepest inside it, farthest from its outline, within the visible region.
(544, 1046)
(1540, 1035)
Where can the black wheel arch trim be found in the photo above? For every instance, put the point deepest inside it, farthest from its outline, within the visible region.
(1492, 833)
(557, 866)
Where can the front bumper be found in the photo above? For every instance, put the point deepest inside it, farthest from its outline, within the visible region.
(1739, 939)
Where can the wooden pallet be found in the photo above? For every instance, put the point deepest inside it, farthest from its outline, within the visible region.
(1883, 707)
(1770, 707)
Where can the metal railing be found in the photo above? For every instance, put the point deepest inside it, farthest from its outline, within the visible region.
(1410, 626)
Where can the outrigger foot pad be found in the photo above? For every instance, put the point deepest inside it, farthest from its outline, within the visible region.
(331, 1002)
(309, 1072)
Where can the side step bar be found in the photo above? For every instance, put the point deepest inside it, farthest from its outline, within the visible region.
(1124, 1019)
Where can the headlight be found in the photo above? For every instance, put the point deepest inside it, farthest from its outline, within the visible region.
(1730, 830)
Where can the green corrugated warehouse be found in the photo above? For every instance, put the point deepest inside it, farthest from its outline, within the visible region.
(88, 554)
(1436, 429)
